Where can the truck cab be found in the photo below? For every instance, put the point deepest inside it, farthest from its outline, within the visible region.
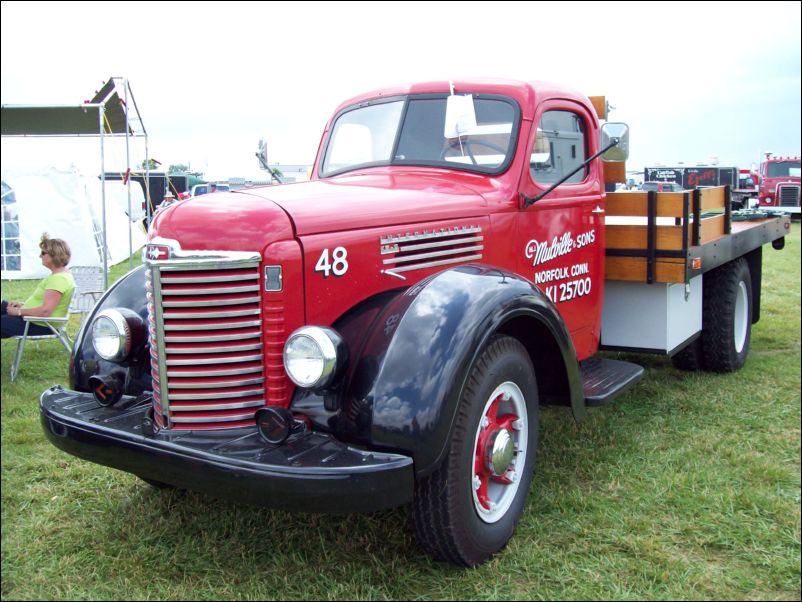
(780, 183)
(385, 333)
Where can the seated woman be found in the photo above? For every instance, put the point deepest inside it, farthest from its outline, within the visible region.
(51, 297)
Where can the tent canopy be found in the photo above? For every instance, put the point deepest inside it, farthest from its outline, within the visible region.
(70, 120)
(81, 120)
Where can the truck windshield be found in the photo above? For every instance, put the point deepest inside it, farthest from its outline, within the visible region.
(783, 169)
(410, 131)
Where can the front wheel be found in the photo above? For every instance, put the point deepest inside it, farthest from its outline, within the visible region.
(468, 508)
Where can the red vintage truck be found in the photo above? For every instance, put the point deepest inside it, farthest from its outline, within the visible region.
(386, 333)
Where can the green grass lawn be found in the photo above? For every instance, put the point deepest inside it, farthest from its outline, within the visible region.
(686, 488)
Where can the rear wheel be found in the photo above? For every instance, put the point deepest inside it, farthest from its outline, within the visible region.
(727, 317)
(467, 509)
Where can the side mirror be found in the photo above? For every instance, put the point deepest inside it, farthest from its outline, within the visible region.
(615, 133)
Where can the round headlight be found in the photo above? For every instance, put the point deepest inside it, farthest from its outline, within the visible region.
(312, 355)
(111, 335)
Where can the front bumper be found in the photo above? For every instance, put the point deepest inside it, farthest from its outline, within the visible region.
(311, 471)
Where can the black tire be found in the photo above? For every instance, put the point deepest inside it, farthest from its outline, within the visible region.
(727, 316)
(455, 521)
(691, 358)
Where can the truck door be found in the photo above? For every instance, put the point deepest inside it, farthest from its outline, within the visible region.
(560, 238)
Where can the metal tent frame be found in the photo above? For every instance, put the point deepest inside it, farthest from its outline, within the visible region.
(107, 115)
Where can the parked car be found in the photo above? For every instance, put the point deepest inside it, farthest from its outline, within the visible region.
(199, 189)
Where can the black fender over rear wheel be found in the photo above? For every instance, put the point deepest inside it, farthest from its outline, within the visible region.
(467, 509)
(727, 316)
(690, 358)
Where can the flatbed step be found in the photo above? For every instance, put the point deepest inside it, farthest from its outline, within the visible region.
(605, 379)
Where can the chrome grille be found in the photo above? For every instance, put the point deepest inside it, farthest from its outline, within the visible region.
(207, 356)
(788, 195)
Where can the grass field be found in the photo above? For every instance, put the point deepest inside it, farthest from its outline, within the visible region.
(686, 488)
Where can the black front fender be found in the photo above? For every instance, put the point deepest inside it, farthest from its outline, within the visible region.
(129, 292)
(413, 367)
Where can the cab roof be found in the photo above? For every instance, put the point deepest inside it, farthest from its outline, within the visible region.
(525, 93)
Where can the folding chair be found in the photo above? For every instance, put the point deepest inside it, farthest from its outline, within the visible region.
(59, 332)
(88, 288)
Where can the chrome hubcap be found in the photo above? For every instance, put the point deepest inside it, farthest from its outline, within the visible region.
(499, 452)
(502, 452)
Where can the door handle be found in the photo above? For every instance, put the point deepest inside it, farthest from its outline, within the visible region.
(598, 210)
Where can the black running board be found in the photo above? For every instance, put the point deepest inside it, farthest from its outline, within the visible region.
(604, 380)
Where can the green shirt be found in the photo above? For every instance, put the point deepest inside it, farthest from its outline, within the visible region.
(62, 282)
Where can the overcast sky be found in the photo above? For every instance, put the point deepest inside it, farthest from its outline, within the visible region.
(693, 80)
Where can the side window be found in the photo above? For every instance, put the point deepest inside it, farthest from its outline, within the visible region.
(12, 255)
(559, 148)
(363, 136)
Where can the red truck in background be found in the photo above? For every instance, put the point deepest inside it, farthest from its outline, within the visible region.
(386, 333)
(780, 182)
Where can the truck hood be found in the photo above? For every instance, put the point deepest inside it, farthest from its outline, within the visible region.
(372, 200)
(249, 220)
(223, 221)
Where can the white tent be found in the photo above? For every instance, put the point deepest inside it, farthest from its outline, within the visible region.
(66, 205)
(117, 194)
(107, 114)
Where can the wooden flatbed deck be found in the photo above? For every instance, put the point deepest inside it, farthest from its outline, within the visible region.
(674, 236)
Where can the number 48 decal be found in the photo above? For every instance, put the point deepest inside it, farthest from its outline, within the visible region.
(338, 265)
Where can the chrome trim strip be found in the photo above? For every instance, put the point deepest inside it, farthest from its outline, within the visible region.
(176, 264)
(177, 315)
(417, 236)
(387, 250)
(431, 264)
(206, 350)
(202, 279)
(220, 326)
(213, 291)
(238, 417)
(164, 395)
(215, 395)
(213, 338)
(220, 406)
(393, 274)
(217, 385)
(215, 360)
(207, 373)
(210, 302)
(443, 253)
(182, 260)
